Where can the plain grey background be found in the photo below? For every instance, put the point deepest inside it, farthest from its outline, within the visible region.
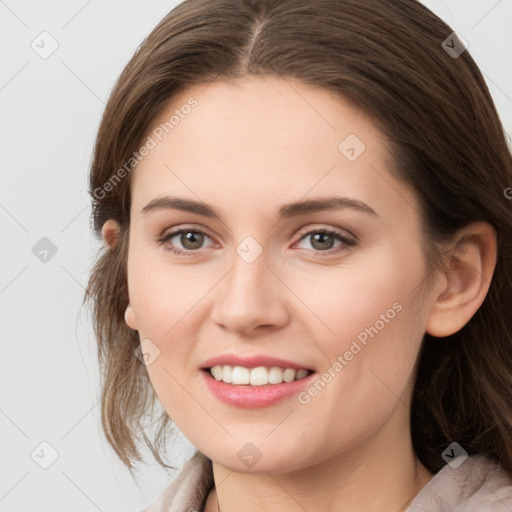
(51, 107)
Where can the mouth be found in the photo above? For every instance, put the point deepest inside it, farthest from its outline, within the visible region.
(256, 376)
(255, 381)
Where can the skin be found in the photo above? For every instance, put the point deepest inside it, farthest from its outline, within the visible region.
(247, 148)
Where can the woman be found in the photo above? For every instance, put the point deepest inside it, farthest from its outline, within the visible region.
(307, 259)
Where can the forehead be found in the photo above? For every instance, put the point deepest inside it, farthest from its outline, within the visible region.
(269, 138)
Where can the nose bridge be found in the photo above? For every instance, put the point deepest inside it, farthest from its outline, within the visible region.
(248, 279)
(248, 298)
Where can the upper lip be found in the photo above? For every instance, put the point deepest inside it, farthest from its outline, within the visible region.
(251, 362)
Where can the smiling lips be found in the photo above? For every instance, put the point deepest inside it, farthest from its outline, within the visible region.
(256, 381)
(259, 376)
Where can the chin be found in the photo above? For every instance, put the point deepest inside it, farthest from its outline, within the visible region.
(258, 457)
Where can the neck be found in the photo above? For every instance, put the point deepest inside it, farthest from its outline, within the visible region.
(383, 475)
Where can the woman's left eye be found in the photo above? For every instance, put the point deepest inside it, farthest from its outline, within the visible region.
(321, 240)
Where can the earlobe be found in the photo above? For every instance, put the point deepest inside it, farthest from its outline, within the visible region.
(129, 318)
(110, 232)
(468, 276)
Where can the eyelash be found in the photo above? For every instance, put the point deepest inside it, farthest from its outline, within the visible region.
(347, 241)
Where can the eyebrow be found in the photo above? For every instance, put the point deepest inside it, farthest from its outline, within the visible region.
(289, 210)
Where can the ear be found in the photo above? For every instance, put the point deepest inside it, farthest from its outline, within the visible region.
(129, 318)
(110, 232)
(469, 269)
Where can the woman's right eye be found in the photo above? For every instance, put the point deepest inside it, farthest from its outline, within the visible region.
(190, 239)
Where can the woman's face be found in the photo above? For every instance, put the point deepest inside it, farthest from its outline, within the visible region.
(256, 276)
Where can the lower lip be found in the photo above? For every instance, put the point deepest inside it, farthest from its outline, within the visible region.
(253, 396)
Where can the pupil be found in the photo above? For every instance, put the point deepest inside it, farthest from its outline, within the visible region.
(322, 237)
(193, 238)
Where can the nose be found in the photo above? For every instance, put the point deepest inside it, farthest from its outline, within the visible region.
(251, 298)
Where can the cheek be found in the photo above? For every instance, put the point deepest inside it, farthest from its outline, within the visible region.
(165, 295)
(361, 299)
(375, 322)
(169, 305)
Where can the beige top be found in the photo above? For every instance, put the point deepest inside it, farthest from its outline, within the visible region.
(477, 485)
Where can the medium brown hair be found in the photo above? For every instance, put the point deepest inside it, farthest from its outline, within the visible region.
(386, 58)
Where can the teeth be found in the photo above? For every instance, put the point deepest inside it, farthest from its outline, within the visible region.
(217, 372)
(301, 374)
(275, 375)
(260, 376)
(226, 373)
(239, 375)
(289, 375)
